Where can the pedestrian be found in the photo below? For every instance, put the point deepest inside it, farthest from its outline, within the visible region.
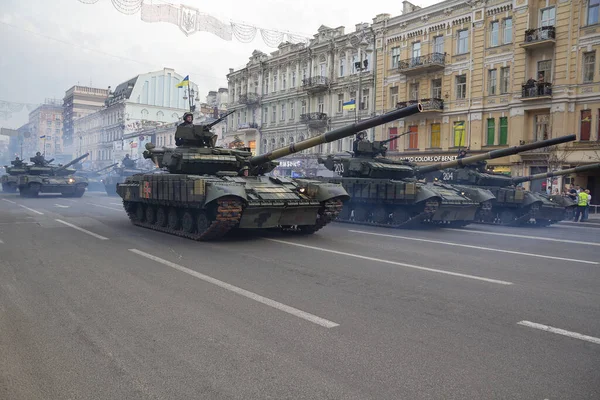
(587, 208)
(582, 202)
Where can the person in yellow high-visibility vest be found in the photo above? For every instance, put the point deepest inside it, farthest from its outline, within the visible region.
(582, 202)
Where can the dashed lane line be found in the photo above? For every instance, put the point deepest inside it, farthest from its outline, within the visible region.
(559, 331)
(109, 208)
(475, 247)
(82, 230)
(242, 292)
(10, 201)
(439, 271)
(30, 209)
(523, 236)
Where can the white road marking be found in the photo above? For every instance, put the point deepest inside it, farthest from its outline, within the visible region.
(560, 331)
(523, 236)
(61, 206)
(1, 242)
(10, 201)
(116, 204)
(30, 209)
(476, 247)
(440, 271)
(82, 230)
(110, 208)
(253, 296)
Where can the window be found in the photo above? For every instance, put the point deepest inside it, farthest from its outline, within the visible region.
(395, 57)
(507, 30)
(459, 134)
(283, 112)
(545, 70)
(547, 17)
(414, 91)
(461, 86)
(592, 12)
(275, 82)
(589, 64)
(503, 139)
(491, 132)
(492, 81)
(265, 114)
(416, 50)
(393, 145)
(586, 125)
(393, 96)
(284, 81)
(494, 33)
(292, 110)
(364, 105)
(542, 127)
(266, 84)
(436, 88)
(323, 69)
(274, 114)
(293, 79)
(303, 107)
(435, 136)
(438, 44)
(354, 62)
(504, 79)
(342, 65)
(320, 104)
(463, 42)
(413, 137)
(353, 95)
(340, 104)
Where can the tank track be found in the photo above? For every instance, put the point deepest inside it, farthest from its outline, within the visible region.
(411, 222)
(229, 213)
(328, 213)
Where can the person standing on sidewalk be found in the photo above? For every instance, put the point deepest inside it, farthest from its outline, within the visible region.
(586, 213)
(582, 202)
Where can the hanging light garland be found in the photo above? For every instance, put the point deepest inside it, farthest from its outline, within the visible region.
(191, 20)
(7, 108)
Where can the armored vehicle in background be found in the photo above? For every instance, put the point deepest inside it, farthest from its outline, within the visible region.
(386, 192)
(95, 178)
(206, 191)
(52, 179)
(10, 181)
(118, 175)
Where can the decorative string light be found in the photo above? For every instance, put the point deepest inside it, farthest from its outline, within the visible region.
(7, 108)
(190, 20)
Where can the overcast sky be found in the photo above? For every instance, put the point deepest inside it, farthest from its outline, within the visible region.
(47, 46)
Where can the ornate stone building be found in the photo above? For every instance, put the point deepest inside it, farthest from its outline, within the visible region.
(299, 90)
(470, 63)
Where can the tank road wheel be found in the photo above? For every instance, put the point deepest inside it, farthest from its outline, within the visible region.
(173, 219)
(507, 217)
(140, 212)
(33, 190)
(188, 222)
(400, 216)
(161, 217)
(150, 214)
(345, 213)
(203, 222)
(79, 191)
(381, 215)
(361, 213)
(23, 191)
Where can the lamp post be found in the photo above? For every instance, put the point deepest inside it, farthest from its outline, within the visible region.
(191, 95)
(359, 42)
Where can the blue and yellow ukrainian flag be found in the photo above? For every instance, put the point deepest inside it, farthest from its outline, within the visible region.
(349, 105)
(184, 82)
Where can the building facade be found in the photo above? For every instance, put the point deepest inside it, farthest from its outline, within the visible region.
(493, 74)
(45, 130)
(299, 91)
(143, 102)
(78, 102)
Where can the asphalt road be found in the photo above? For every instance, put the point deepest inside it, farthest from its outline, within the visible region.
(92, 307)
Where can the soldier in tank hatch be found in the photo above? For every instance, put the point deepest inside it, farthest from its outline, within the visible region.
(17, 163)
(128, 162)
(38, 159)
(360, 137)
(188, 119)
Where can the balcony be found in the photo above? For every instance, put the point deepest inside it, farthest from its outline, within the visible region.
(249, 99)
(314, 120)
(537, 91)
(422, 64)
(540, 37)
(429, 105)
(251, 125)
(315, 84)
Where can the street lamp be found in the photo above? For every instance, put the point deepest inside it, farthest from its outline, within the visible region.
(361, 44)
(191, 95)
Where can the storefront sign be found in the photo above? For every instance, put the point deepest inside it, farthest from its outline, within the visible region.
(429, 158)
(290, 163)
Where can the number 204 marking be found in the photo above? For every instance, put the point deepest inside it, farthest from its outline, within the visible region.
(447, 176)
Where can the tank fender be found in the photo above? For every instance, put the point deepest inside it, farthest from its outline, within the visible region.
(323, 191)
(424, 193)
(217, 190)
(530, 198)
(477, 194)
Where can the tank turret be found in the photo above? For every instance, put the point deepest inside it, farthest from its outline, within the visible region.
(195, 156)
(64, 169)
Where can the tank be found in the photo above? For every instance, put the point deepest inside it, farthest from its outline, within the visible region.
(50, 178)
(205, 191)
(394, 193)
(10, 181)
(511, 204)
(95, 178)
(118, 175)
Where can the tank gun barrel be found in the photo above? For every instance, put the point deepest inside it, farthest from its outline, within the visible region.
(67, 165)
(110, 166)
(461, 162)
(543, 175)
(336, 134)
(50, 160)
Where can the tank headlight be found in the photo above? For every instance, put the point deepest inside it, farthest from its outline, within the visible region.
(71, 180)
(302, 190)
(463, 193)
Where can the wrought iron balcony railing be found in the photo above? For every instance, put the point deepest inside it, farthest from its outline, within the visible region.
(249, 98)
(433, 104)
(540, 34)
(433, 61)
(314, 119)
(315, 83)
(536, 90)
